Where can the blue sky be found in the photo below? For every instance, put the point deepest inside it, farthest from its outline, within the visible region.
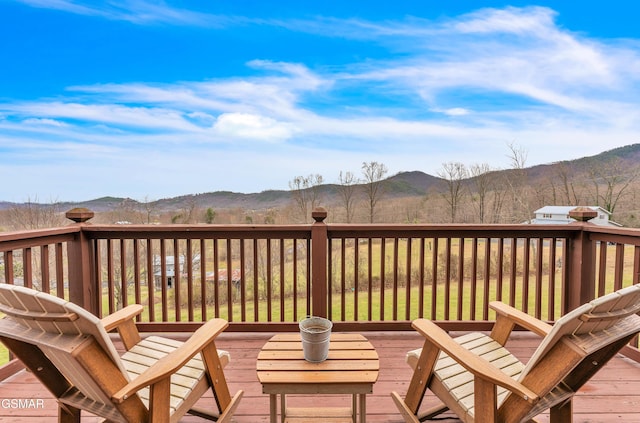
(152, 99)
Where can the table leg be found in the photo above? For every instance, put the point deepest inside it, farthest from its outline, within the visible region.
(283, 408)
(354, 408)
(363, 408)
(273, 412)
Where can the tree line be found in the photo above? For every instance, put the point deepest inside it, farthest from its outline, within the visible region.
(477, 193)
(466, 193)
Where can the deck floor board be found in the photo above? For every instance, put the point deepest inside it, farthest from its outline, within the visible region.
(613, 395)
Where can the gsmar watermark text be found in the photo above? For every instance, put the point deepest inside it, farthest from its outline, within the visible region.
(22, 403)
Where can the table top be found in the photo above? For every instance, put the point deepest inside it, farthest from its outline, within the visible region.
(351, 367)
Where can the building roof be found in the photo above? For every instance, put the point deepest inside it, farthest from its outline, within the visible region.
(559, 215)
(567, 209)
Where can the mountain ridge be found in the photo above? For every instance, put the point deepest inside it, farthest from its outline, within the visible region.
(402, 184)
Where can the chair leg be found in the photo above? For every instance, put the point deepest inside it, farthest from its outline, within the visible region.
(562, 413)
(68, 414)
(485, 400)
(226, 416)
(406, 412)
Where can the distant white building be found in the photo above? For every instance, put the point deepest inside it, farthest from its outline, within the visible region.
(559, 215)
(170, 268)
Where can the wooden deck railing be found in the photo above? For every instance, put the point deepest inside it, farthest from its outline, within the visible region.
(363, 277)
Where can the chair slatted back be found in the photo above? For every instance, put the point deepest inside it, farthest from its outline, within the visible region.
(592, 318)
(57, 327)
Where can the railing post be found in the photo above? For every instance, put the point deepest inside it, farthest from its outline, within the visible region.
(581, 285)
(319, 263)
(81, 283)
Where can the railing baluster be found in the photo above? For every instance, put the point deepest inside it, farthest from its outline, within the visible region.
(370, 278)
(27, 266)
(163, 278)
(177, 280)
(602, 268)
(123, 274)
(189, 263)
(382, 276)
(330, 278)
(203, 280)
(216, 279)
(45, 270)
(151, 284)
(538, 288)
(256, 287)
(110, 281)
(474, 278)
(553, 260)
(619, 267)
(60, 271)
(460, 300)
(8, 267)
(434, 279)
(343, 287)
(395, 279)
(356, 278)
(487, 279)
(98, 270)
(526, 268)
(309, 279)
(513, 274)
(269, 281)
(447, 280)
(136, 275)
(408, 281)
(282, 280)
(229, 280)
(500, 269)
(242, 287)
(421, 278)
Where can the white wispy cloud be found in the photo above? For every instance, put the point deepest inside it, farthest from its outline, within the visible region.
(120, 115)
(141, 12)
(243, 125)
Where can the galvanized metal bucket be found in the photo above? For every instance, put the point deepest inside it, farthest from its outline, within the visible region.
(315, 333)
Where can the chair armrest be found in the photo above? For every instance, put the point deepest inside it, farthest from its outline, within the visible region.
(477, 365)
(175, 360)
(523, 319)
(114, 320)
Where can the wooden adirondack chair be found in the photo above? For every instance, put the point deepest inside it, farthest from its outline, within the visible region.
(69, 350)
(478, 379)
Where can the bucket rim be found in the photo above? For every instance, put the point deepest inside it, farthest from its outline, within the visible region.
(328, 323)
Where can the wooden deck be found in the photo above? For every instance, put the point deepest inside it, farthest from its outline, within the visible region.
(613, 395)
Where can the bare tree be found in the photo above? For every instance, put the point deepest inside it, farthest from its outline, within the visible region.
(499, 195)
(33, 215)
(305, 191)
(347, 190)
(453, 173)
(570, 191)
(517, 181)
(610, 182)
(482, 183)
(149, 209)
(374, 173)
(187, 213)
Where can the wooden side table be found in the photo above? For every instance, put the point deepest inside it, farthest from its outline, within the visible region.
(351, 368)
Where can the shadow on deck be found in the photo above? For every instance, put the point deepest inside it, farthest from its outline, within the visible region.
(613, 395)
